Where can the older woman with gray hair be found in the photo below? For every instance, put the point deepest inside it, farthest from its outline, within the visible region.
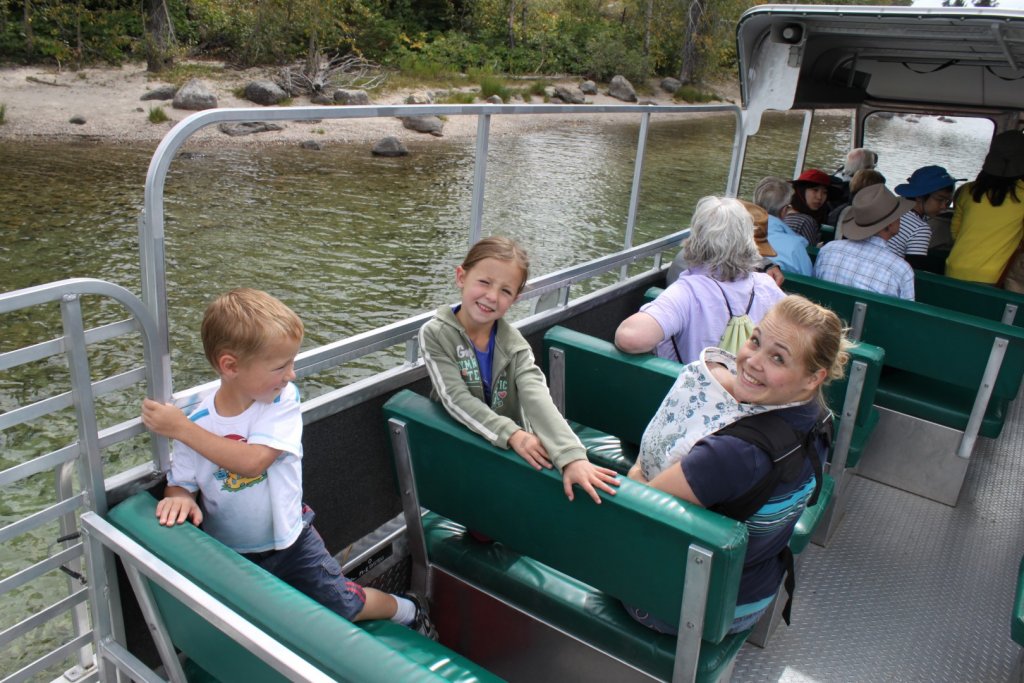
(721, 281)
(773, 194)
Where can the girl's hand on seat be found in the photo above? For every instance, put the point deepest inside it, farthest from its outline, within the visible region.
(589, 477)
(530, 449)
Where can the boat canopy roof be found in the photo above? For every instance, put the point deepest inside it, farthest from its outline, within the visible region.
(820, 57)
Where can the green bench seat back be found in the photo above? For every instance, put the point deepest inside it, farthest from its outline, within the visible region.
(1017, 619)
(462, 477)
(929, 353)
(972, 298)
(318, 635)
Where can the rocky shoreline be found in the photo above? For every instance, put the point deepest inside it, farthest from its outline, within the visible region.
(111, 105)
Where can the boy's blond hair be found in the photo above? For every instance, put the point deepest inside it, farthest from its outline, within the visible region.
(243, 321)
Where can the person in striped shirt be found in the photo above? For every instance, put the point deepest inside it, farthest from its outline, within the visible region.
(931, 188)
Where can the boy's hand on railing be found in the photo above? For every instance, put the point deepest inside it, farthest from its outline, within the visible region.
(587, 476)
(530, 449)
(164, 419)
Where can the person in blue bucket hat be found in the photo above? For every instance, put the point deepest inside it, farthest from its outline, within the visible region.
(931, 188)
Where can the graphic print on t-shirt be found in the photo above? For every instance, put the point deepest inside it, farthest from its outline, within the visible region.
(233, 482)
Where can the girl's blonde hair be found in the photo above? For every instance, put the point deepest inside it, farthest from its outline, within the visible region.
(824, 338)
(243, 321)
(502, 249)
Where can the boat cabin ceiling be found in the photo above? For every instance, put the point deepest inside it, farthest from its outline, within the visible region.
(813, 57)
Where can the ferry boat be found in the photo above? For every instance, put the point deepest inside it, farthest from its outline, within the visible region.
(913, 574)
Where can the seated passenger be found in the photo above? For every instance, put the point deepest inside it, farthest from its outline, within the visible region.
(862, 259)
(764, 248)
(773, 195)
(857, 160)
(797, 347)
(931, 188)
(807, 207)
(861, 179)
(988, 216)
(483, 372)
(694, 310)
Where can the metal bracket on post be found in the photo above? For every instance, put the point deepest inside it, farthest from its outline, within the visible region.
(988, 383)
(1009, 314)
(691, 613)
(860, 311)
(411, 510)
(854, 389)
(556, 378)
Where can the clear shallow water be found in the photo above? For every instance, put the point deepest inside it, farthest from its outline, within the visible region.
(349, 241)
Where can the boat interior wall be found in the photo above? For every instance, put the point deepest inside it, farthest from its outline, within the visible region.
(917, 55)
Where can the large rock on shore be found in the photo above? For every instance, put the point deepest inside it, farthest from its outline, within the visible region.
(389, 147)
(194, 96)
(164, 92)
(622, 89)
(264, 92)
(570, 94)
(351, 97)
(424, 124)
(248, 128)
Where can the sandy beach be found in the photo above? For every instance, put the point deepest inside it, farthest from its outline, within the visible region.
(40, 102)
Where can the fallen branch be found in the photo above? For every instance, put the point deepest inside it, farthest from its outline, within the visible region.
(53, 83)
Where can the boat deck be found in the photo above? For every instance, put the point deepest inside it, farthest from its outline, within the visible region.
(910, 589)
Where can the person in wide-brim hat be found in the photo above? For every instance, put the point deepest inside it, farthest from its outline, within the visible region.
(874, 209)
(863, 260)
(931, 188)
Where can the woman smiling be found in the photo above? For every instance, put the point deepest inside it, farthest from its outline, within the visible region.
(797, 347)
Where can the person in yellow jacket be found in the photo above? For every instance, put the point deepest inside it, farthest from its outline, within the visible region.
(988, 216)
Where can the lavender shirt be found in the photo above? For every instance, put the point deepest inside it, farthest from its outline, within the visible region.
(692, 309)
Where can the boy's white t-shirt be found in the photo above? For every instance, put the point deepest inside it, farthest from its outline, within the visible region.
(697, 405)
(248, 514)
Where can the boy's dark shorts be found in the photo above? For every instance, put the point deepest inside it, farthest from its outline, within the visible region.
(307, 566)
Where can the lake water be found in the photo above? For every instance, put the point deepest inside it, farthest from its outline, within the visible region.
(351, 242)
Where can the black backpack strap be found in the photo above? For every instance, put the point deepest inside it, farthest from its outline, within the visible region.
(727, 306)
(750, 301)
(787, 447)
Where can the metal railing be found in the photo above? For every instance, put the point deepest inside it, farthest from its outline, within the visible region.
(83, 457)
(148, 317)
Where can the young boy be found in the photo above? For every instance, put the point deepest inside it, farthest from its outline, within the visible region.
(241, 449)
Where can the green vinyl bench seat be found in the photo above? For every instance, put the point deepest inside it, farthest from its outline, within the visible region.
(938, 355)
(972, 298)
(576, 551)
(948, 378)
(373, 651)
(558, 598)
(1017, 619)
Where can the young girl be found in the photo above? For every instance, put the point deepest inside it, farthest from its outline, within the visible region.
(807, 207)
(483, 371)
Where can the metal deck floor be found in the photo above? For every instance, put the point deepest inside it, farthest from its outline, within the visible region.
(910, 589)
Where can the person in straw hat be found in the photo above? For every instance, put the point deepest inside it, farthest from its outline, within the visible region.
(862, 259)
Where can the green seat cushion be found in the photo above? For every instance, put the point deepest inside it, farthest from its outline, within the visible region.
(566, 603)
(1017, 621)
(936, 401)
(811, 516)
(606, 450)
(326, 640)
